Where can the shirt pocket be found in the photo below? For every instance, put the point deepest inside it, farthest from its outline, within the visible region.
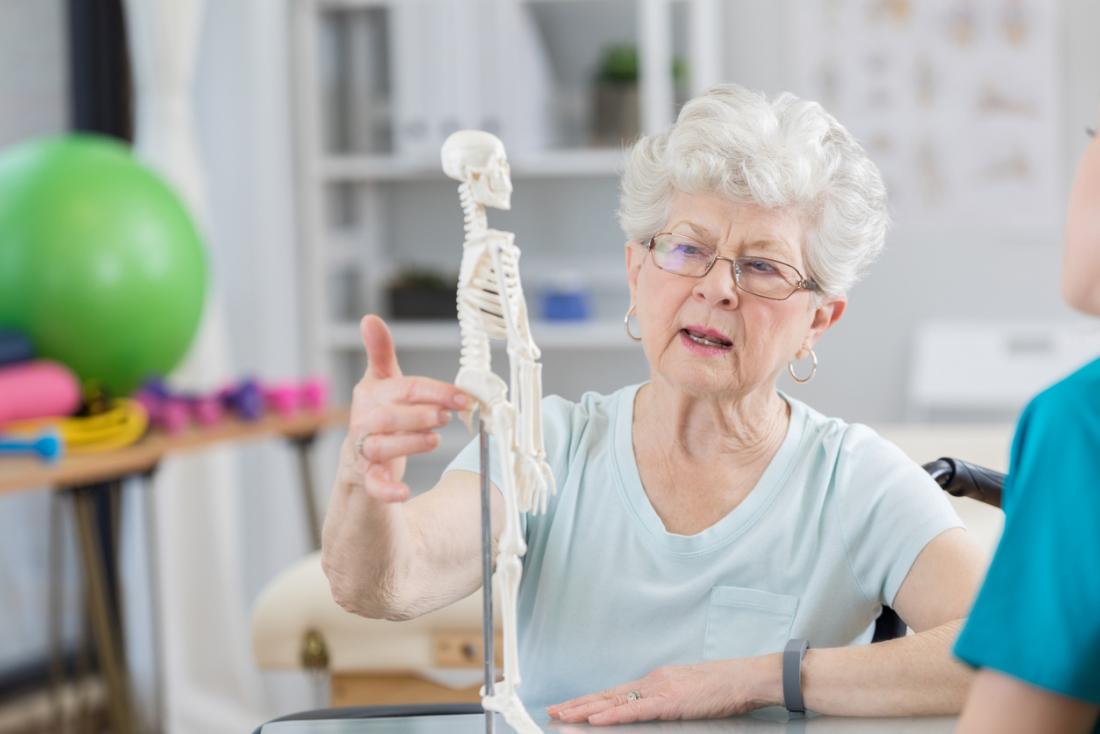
(743, 622)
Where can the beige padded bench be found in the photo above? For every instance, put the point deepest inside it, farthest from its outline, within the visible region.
(437, 657)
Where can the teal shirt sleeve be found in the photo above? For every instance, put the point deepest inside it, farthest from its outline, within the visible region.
(1037, 617)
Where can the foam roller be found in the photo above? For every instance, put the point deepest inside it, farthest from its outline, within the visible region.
(40, 389)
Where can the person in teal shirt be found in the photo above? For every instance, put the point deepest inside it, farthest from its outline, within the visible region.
(1035, 628)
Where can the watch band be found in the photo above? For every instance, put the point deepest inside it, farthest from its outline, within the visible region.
(792, 675)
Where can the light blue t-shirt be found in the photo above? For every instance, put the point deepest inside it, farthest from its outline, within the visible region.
(824, 539)
(1037, 617)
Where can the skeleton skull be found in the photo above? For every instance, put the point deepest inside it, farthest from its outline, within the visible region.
(478, 157)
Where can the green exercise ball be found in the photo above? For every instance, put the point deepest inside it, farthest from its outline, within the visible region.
(100, 263)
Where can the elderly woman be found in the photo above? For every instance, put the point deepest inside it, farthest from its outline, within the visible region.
(703, 519)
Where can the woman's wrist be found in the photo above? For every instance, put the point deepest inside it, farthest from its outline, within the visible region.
(768, 680)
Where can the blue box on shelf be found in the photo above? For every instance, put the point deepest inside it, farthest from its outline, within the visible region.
(566, 305)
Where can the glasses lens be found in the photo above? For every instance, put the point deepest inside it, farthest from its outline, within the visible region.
(680, 255)
(767, 278)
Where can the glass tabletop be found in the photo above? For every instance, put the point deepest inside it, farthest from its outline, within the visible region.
(755, 723)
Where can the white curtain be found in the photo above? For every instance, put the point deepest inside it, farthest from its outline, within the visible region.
(211, 117)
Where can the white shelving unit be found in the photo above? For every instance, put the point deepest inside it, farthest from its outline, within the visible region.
(368, 209)
(435, 335)
(561, 163)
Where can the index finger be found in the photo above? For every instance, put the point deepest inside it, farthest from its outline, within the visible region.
(418, 390)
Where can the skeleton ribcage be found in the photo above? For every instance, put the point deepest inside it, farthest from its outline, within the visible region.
(481, 302)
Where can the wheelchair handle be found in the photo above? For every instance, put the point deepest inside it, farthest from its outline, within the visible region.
(963, 479)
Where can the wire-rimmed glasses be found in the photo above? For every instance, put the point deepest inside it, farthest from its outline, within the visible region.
(761, 276)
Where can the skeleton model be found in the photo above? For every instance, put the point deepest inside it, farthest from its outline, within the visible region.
(491, 306)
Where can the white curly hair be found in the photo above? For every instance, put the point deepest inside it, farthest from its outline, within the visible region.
(781, 153)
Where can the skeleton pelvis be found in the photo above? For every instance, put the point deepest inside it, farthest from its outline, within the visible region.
(486, 387)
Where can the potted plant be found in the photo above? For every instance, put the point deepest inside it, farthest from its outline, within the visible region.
(422, 293)
(615, 113)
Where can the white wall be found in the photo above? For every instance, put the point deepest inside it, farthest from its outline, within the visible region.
(33, 69)
(866, 359)
(33, 102)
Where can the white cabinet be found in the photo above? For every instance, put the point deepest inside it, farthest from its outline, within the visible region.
(377, 87)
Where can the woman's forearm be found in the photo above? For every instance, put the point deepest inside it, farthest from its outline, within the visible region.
(910, 676)
(914, 675)
(367, 548)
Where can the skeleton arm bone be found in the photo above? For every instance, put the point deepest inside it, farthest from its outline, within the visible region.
(534, 480)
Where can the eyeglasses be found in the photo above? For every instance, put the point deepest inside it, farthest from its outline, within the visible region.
(760, 276)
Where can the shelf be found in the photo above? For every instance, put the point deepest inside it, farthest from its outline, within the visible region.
(360, 4)
(427, 335)
(550, 164)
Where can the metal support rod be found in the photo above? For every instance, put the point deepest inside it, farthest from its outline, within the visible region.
(486, 571)
(108, 645)
(303, 445)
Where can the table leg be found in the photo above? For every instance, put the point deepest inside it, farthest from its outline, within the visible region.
(104, 630)
(54, 605)
(152, 556)
(303, 445)
(110, 508)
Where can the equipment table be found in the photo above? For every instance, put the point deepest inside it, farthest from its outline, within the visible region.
(93, 483)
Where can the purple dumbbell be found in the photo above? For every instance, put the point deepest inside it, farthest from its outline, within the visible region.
(246, 399)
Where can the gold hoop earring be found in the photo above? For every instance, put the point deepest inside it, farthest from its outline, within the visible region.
(813, 370)
(626, 323)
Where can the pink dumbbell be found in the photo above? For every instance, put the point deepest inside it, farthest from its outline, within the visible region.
(285, 398)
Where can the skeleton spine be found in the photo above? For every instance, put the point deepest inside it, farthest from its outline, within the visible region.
(473, 214)
(475, 353)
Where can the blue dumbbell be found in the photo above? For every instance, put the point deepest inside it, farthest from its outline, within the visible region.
(47, 446)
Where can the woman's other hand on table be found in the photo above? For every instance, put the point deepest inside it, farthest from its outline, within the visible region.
(709, 690)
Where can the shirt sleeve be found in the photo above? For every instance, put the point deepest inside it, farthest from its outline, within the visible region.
(557, 418)
(1037, 617)
(890, 509)
(469, 459)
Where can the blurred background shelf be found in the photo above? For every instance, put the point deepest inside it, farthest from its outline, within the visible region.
(566, 84)
(444, 335)
(559, 163)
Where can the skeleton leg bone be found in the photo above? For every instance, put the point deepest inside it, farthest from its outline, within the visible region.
(511, 547)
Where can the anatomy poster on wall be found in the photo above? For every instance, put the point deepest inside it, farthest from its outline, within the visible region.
(956, 100)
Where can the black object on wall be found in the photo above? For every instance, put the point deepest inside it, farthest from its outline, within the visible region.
(100, 99)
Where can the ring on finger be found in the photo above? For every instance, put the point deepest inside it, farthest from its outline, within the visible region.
(633, 696)
(359, 443)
